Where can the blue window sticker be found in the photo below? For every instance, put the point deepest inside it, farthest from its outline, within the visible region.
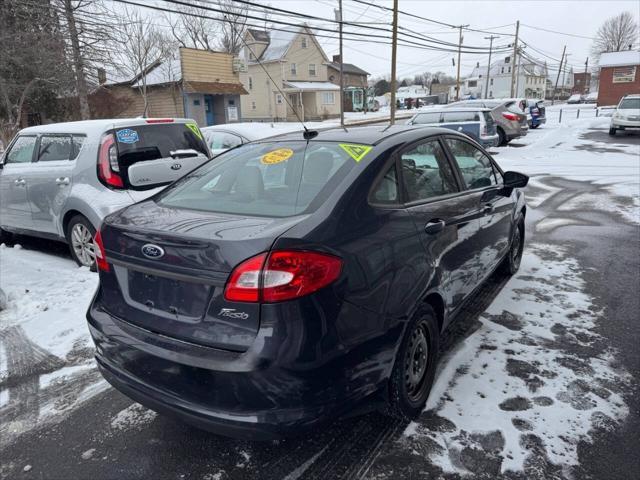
(127, 136)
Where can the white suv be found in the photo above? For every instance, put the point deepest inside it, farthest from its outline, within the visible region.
(59, 181)
(627, 115)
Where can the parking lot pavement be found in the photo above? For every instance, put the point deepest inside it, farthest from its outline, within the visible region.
(539, 377)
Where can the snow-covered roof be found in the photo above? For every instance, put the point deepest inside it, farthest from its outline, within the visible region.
(255, 130)
(279, 43)
(619, 59)
(526, 68)
(166, 72)
(313, 85)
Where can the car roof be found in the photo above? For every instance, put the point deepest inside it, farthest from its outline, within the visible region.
(255, 130)
(632, 95)
(93, 126)
(369, 135)
(449, 109)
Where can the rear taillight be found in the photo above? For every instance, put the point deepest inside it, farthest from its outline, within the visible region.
(281, 275)
(101, 258)
(510, 116)
(108, 167)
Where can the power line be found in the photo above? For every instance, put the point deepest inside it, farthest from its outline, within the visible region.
(554, 31)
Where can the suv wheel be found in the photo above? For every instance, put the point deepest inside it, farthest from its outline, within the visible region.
(5, 237)
(502, 138)
(415, 366)
(80, 235)
(511, 262)
(612, 131)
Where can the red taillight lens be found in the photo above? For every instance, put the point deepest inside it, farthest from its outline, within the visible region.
(159, 120)
(510, 116)
(283, 275)
(108, 162)
(101, 258)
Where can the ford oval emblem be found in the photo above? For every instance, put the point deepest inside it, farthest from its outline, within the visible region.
(152, 251)
(176, 166)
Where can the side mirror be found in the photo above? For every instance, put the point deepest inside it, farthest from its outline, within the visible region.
(515, 180)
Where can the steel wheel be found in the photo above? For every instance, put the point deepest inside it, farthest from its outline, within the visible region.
(417, 361)
(82, 244)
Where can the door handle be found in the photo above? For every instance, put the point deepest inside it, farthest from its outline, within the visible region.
(21, 182)
(434, 226)
(488, 208)
(62, 181)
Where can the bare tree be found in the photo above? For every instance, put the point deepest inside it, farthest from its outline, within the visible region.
(143, 48)
(233, 25)
(616, 34)
(192, 27)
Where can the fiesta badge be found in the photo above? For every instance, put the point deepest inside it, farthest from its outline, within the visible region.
(152, 251)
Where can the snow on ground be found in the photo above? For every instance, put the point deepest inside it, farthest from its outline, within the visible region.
(514, 385)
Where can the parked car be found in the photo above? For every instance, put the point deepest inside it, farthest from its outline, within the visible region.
(290, 281)
(475, 122)
(221, 138)
(59, 181)
(575, 98)
(510, 121)
(627, 115)
(591, 98)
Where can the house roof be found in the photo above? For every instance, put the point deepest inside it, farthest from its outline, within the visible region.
(526, 68)
(279, 42)
(620, 59)
(165, 72)
(312, 85)
(259, 35)
(348, 68)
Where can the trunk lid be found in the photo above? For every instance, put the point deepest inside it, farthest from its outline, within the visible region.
(168, 274)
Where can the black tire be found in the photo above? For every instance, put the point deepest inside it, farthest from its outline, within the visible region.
(612, 131)
(511, 262)
(535, 126)
(81, 224)
(5, 237)
(502, 138)
(409, 389)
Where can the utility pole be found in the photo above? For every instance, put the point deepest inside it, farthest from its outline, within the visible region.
(459, 54)
(553, 97)
(394, 47)
(339, 14)
(517, 67)
(586, 84)
(515, 52)
(486, 87)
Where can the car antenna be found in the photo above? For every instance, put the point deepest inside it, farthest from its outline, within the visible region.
(307, 134)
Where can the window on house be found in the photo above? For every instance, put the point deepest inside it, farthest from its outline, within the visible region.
(312, 69)
(279, 99)
(294, 70)
(250, 83)
(328, 98)
(491, 82)
(304, 42)
(473, 83)
(253, 105)
(502, 70)
(491, 93)
(509, 70)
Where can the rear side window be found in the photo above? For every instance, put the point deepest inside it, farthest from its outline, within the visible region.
(155, 141)
(426, 173)
(427, 118)
(76, 146)
(475, 166)
(54, 148)
(265, 179)
(22, 150)
(461, 117)
(386, 192)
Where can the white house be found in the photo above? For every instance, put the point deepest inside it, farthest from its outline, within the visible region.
(530, 80)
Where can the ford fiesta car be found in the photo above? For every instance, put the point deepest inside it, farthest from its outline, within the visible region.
(289, 282)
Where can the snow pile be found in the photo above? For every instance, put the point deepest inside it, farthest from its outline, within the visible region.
(526, 387)
(134, 416)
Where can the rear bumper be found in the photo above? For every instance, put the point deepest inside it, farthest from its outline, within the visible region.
(489, 141)
(281, 387)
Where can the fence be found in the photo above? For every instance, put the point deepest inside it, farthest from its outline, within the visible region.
(567, 113)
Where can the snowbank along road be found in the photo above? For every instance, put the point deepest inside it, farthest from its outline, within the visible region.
(538, 378)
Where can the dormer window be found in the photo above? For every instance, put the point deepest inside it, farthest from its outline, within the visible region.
(304, 42)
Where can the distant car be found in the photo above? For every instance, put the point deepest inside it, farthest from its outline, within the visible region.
(627, 115)
(511, 122)
(221, 138)
(60, 180)
(591, 98)
(575, 98)
(477, 123)
(536, 112)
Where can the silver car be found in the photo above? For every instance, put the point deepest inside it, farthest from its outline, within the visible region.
(511, 122)
(59, 181)
(221, 138)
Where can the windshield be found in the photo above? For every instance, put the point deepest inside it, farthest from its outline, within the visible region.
(630, 103)
(266, 179)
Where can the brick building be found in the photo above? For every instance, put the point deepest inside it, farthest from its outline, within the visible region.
(619, 76)
(581, 82)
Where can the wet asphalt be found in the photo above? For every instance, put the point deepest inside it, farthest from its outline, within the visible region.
(606, 246)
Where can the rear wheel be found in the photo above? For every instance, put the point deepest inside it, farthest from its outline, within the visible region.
(80, 235)
(612, 131)
(502, 138)
(415, 366)
(511, 262)
(5, 237)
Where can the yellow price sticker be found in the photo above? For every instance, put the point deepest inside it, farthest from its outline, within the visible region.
(355, 151)
(194, 128)
(276, 156)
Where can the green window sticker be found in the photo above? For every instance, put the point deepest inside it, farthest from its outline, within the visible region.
(355, 151)
(194, 128)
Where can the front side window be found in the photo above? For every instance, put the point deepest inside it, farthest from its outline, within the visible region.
(22, 150)
(475, 166)
(328, 98)
(276, 179)
(426, 172)
(222, 140)
(54, 148)
(426, 118)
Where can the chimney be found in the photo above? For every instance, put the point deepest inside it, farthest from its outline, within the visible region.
(102, 76)
(336, 59)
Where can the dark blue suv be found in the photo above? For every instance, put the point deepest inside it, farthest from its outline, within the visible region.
(288, 282)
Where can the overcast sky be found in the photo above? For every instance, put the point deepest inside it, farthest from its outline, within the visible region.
(575, 17)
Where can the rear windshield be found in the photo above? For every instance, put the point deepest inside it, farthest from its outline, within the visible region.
(266, 179)
(627, 103)
(158, 140)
